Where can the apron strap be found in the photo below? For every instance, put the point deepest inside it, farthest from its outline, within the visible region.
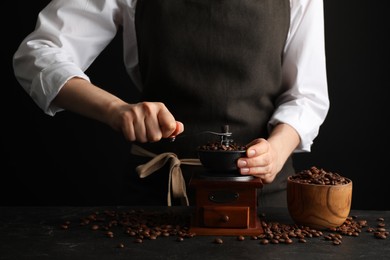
(176, 181)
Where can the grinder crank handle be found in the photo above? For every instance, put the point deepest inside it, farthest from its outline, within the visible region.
(225, 133)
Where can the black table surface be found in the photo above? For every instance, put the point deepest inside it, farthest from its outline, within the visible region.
(36, 233)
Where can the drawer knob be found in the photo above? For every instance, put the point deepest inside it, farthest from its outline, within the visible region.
(225, 218)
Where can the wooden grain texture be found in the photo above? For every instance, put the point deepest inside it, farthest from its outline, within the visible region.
(319, 206)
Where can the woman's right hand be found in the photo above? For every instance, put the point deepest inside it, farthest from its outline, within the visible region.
(142, 122)
(145, 121)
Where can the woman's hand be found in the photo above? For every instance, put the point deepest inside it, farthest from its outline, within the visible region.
(261, 161)
(265, 158)
(142, 122)
(145, 121)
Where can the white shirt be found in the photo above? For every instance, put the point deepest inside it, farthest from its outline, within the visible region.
(70, 34)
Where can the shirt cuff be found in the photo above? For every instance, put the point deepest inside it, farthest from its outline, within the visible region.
(300, 121)
(49, 82)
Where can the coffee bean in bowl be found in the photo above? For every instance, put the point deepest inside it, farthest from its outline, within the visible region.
(318, 198)
(219, 158)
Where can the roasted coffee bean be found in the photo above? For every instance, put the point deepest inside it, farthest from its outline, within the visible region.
(165, 234)
(264, 241)
(64, 226)
(138, 241)
(327, 237)
(381, 224)
(336, 242)
(370, 230)
(380, 235)
(240, 238)
(95, 227)
(218, 240)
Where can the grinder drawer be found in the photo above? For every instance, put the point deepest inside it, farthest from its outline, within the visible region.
(226, 216)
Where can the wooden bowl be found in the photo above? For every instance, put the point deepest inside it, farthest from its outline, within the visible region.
(319, 206)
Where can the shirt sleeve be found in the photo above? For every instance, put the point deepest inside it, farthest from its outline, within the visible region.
(305, 102)
(68, 37)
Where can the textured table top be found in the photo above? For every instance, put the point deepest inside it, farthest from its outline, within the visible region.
(68, 233)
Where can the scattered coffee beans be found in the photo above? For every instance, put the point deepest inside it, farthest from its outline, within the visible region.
(142, 226)
(277, 233)
(137, 224)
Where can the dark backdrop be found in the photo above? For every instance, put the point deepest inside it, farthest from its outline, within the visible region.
(71, 160)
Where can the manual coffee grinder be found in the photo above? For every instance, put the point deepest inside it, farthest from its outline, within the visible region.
(225, 200)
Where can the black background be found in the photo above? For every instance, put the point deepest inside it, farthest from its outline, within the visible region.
(71, 160)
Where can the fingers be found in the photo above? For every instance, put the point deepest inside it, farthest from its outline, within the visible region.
(168, 126)
(149, 122)
(259, 161)
(146, 127)
(179, 129)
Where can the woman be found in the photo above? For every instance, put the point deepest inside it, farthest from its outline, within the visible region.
(257, 66)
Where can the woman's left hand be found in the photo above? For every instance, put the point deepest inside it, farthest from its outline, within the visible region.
(266, 157)
(261, 161)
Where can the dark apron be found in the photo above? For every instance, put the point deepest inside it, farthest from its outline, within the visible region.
(212, 63)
